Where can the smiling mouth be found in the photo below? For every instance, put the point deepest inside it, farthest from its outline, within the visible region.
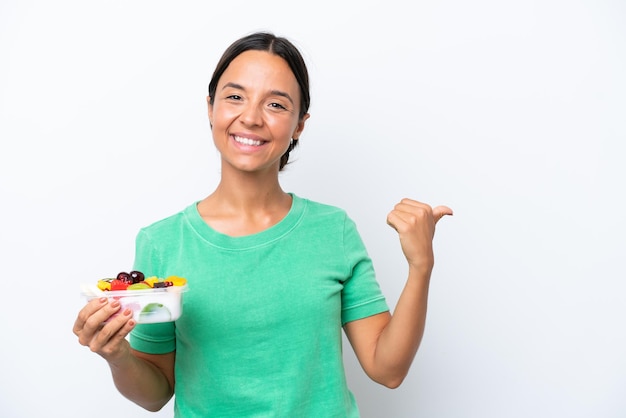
(248, 141)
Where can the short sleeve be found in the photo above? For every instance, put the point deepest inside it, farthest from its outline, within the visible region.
(147, 256)
(151, 338)
(361, 296)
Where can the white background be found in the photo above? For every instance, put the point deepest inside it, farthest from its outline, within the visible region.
(512, 113)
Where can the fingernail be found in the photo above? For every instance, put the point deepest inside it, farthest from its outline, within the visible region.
(127, 312)
(103, 299)
(115, 303)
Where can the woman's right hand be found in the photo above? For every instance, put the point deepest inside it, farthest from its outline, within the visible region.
(98, 328)
(146, 379)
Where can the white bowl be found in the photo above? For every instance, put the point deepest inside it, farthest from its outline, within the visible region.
(149, 306)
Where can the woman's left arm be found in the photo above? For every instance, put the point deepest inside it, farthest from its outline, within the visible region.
(385, 344)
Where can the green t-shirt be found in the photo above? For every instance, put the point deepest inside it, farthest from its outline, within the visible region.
(260, 333)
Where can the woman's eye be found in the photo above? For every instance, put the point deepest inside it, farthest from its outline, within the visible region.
(277, 106)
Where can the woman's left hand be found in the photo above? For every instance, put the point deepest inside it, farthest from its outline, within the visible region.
(415, 223)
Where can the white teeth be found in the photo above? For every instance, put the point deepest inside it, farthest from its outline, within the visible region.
(247, 141)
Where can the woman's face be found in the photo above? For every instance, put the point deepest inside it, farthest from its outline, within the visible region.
(255, 112)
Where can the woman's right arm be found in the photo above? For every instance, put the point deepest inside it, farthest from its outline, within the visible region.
(146, 379)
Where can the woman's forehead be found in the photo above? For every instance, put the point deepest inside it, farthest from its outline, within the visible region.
(261, 71)
(259, 67)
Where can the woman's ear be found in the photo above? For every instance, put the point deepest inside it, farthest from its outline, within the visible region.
(300, 127)
(210, 109)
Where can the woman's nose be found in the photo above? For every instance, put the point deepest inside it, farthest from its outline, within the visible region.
(252, 115)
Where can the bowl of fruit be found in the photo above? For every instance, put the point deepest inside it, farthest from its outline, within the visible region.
(151, 299)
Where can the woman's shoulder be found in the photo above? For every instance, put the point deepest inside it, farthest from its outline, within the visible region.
(315, 208)
(317, 205)
(171, 221)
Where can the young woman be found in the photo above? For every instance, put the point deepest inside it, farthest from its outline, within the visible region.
(273, 277)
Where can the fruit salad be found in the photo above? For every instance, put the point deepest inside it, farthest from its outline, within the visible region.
(135, 280)
(151, 299)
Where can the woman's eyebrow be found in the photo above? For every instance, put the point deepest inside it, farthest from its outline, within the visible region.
(233, 85)
(282, 94)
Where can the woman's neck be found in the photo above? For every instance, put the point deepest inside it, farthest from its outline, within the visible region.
(245, 204)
